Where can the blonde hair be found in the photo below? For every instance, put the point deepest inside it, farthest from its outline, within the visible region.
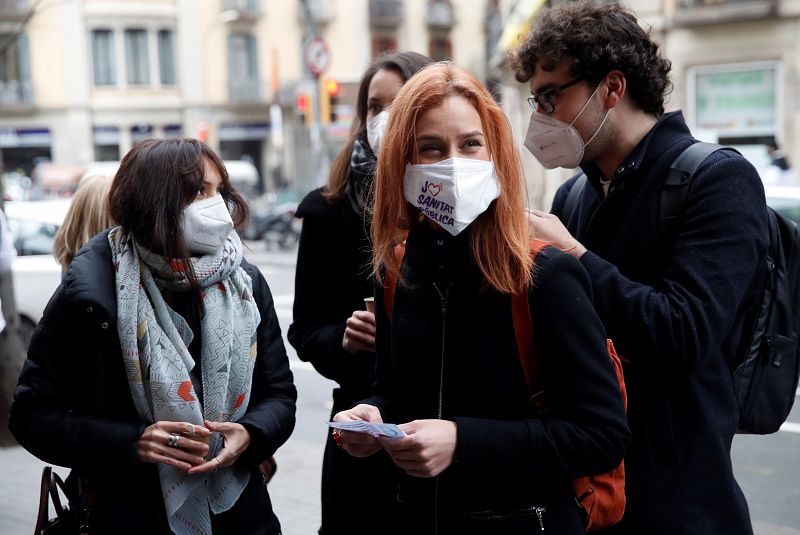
(88, 214)
(499, 237)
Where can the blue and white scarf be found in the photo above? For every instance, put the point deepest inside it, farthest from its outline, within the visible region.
(155, 340)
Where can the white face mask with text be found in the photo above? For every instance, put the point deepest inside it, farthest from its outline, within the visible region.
(376, 126)
(453, 192)
(206, 225)
(555, 143)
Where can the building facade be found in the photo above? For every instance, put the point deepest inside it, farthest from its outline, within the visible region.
(84, 80)
(735, 74)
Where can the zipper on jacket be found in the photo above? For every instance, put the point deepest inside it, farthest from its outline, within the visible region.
(443, 299)
(494, 515)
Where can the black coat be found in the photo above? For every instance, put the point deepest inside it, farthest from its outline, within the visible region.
(450, 353)
(676, 307)
(332, 280)
(73, 406)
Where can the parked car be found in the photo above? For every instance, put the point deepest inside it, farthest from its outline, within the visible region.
(785, 200)
(34, 224)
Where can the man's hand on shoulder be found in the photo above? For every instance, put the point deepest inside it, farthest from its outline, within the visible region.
(549, 228)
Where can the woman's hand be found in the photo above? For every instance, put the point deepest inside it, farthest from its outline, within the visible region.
(235, 438)
(428, 448)
(179, 444)
(358, 444)
(359, 334)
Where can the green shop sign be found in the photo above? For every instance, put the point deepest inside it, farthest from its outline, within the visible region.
(738, 101)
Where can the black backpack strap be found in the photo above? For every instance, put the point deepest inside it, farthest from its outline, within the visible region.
(680, 175)
(572, 197)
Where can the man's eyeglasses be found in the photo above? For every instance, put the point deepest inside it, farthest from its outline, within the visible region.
(546, 99)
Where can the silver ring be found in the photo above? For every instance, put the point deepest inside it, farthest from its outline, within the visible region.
(173, 440)
(190, 430)
(219, 464)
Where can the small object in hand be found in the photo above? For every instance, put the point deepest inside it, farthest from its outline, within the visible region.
(369, 302)
(337, 437)
(173, 440)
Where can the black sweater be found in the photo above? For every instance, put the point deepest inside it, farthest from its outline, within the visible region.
(676, 306)
(332, 280)
(73, 407)
(450, 353)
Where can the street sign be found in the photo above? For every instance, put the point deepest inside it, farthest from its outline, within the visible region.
(317, 56)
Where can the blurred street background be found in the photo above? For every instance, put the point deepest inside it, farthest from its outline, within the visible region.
(271, 86)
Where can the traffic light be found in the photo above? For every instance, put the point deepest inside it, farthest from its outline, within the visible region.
(332, 87)
(329, 93)
(304, 111)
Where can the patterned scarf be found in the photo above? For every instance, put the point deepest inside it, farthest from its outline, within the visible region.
(362, 175)
(155, 340)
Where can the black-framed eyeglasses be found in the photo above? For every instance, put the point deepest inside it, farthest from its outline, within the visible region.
(546, 99)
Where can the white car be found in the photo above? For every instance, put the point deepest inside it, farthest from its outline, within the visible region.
(33, 225)
(785, 200)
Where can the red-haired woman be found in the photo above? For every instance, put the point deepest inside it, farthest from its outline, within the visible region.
(477, 457)
(331, 329)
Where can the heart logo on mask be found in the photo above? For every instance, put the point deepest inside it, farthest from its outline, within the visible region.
(434, 189)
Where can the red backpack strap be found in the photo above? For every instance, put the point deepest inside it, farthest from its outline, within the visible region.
(523, 332)
(390, 280)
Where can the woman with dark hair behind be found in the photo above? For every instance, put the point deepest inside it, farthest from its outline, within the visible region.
(158, 373)
(331, 329)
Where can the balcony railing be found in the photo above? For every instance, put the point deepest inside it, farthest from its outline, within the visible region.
(244, 90)
(16, 93)
(440, 14)
(13, 9)
(385, 13)
(704, 12)
(321, 11)
(248, 9)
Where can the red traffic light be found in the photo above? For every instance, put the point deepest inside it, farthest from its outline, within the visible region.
(302, 103)
(332, 87)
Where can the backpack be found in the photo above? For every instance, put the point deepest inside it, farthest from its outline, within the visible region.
(766, 372)
(600, 498)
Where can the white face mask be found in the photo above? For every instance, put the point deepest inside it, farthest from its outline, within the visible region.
(555, 143)
(206, 225)
(453, 192)
(375, 127)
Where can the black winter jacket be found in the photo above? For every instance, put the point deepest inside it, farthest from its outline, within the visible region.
(450, 353)
(73, 406)
(333, 278)
(676, 307)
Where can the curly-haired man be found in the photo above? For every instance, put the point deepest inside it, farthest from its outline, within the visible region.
(676, 299)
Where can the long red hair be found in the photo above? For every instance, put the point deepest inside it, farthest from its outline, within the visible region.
(499, 237)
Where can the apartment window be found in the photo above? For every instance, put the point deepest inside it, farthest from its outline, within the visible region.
(440, 49)
(103, 57)
(15, 71)
(243, 67)
(383, 45)
(136, 57)
(166, 57)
